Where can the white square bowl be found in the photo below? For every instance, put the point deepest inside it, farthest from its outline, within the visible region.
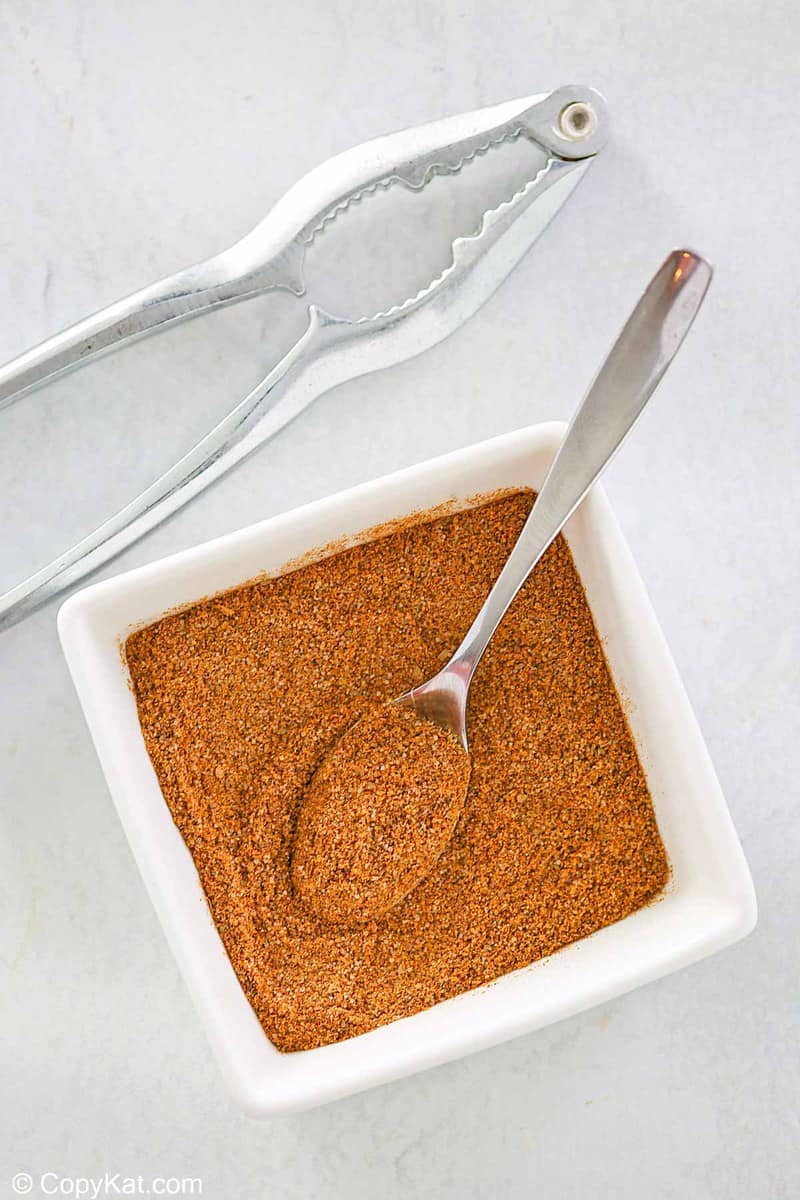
(709, 903)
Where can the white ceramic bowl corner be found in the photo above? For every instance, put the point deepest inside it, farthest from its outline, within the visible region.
(709, 903)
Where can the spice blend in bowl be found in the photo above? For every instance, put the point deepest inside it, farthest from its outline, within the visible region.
(241, 696)
(379, 810)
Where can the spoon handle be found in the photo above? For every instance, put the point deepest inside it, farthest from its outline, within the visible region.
(644, 349)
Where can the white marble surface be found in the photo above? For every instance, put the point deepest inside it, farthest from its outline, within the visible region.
(136, 138)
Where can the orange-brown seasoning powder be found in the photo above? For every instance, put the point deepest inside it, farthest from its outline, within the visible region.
(381, 807)
(239, 698)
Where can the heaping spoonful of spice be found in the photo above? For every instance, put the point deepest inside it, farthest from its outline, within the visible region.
(385, 800)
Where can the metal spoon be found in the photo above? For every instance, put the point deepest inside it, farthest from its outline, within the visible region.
(627, 379)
